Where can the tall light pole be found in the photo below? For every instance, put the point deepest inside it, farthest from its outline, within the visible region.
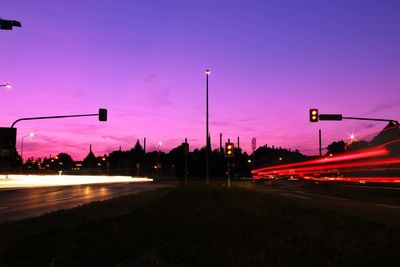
(7, 85)
(31, 135)
(207, 131)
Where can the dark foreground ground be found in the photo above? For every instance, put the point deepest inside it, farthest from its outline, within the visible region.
(198, 226)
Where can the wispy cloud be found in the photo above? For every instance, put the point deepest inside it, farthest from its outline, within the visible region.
(384, 106)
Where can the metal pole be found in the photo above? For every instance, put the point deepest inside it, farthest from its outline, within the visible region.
(185, 165)
(22, 149)
(220, 142)
(368, 119)
(158, 161)
(207, 132)
(320, 143)
(229, 173)
(53, 117)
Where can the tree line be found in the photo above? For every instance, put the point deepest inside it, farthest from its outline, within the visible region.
(158, 164)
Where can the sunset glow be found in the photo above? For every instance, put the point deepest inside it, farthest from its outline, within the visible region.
(146, 63)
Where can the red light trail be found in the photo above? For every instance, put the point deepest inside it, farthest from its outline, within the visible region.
(374, 165)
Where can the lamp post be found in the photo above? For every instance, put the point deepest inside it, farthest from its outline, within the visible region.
(31, 135)
(207, 131)
(7, 85)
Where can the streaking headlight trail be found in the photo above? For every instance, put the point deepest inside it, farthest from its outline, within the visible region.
(18, 181)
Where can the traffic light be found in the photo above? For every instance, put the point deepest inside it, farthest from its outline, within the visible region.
(229, 149)
(102, 114)
(313, 115)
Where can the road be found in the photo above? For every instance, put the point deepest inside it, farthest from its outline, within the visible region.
(378, 204)
(22, 203)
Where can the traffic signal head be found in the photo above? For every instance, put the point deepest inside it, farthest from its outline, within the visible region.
(313, 115)
(102, 114)
(229, 149)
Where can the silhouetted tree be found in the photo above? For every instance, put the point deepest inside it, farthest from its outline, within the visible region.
(65, 161)
(137, 155)
(267, 156)
(336, 147)
(137, 152)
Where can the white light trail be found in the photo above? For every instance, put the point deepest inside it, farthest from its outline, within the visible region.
(18, 181)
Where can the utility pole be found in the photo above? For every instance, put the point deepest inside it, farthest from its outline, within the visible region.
(253, 147)
(186, 152)
(220, 142)
(320, 143)
(144, 156)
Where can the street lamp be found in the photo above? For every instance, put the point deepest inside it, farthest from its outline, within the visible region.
(9, 24)
(208, 72)
(7, 85)
(31, 135)
(352, 138)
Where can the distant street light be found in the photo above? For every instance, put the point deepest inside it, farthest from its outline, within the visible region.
(9, 24)
(353, 138)
(208, 72)
(31, 135)
(7, 85)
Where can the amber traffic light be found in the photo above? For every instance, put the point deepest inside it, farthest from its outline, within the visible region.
(229, 149)
(313, 115)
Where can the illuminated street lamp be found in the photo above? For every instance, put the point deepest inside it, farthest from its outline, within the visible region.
(31, 135)
(9, 24)
(7, 85)
(352, 138)
(208, 72)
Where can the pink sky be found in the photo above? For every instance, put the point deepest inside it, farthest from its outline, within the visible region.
(145, 63)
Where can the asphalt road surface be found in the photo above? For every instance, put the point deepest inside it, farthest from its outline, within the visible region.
(375, 203)
(22, 203)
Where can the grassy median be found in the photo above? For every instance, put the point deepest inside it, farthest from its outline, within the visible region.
(197, 226)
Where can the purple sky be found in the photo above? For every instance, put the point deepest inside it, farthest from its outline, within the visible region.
(144, 61)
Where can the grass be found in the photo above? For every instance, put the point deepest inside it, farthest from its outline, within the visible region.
(197, 226)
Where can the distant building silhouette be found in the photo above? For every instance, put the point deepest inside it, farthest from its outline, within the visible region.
(89, 161)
